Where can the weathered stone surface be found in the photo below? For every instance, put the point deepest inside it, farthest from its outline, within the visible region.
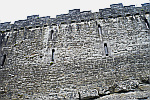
(126, 96)
(145, 79)
(80, 63)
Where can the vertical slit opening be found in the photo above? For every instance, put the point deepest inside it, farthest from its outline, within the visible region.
(7, 37)
(6, 40)
(52, 31)
(147, 24)
(99, 29)
(3, 61)
(53, 50)
(106, 49)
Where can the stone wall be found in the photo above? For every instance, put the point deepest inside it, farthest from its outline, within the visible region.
(69, 60)
(80, 61)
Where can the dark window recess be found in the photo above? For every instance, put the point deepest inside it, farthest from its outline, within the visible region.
(106, 49)
(147, 24)
(53, 50)
(6, 40)
(52, 34)
(3, 60)
(7, 37)
(99, 29)
(96, 23)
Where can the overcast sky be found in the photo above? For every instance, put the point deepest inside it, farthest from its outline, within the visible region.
(13, 10)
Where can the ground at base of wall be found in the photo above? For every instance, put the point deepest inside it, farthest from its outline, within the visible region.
(140, 93)
(136, 95)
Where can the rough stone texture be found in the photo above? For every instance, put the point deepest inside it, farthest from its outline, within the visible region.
(127, 96)
(80, 65)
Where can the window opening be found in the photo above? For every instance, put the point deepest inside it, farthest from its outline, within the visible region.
(6, 40)
(147, 24)
(106, 49)
(3, 61)
(53, 50)
(52, 31)
(99, 29)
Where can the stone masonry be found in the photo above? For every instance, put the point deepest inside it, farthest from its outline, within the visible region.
(75, 55)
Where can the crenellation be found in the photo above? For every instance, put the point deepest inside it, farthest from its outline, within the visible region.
(130, 10)
(82, 53)
(146, 7)
(74, 12)
(115, 10)
(5, 27)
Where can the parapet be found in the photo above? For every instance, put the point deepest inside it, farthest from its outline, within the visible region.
(74, 12)
(115, 10)
(5, 26)
(146, 7)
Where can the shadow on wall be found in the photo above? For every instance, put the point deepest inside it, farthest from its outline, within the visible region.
(2, 59)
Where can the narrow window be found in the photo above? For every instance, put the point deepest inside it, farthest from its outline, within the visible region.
(99, 29)
(3, 60)
(52, 34)
(6, 40)
(7, 37)
(106, 49)
(147, 24)
(53, 50)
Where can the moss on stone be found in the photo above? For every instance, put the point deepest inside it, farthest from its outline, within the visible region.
(15, 45)
(51, 63)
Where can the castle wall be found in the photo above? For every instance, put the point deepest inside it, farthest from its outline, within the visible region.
(80, 61)
(57, 58)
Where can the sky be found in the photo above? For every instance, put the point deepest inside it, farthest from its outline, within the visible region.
(13, 10)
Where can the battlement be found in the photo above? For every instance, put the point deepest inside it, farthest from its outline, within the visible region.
(78, 55)
(115, 10)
